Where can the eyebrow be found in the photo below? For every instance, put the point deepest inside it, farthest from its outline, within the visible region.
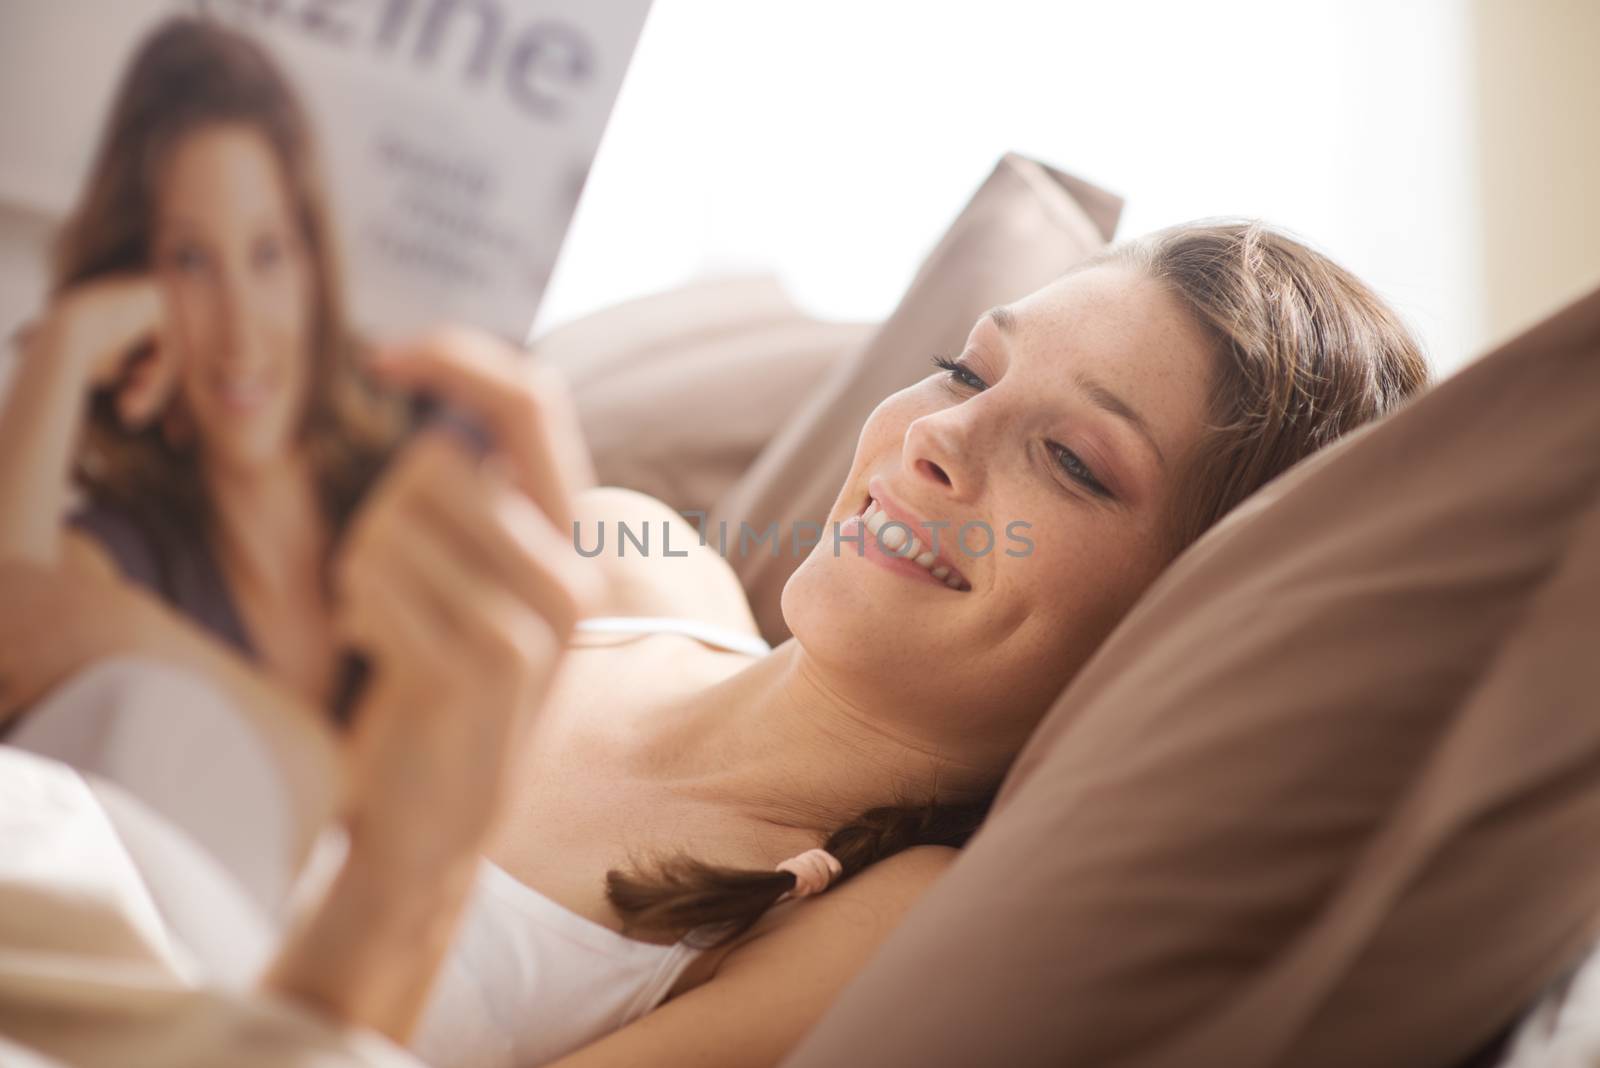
(1109, 401)
(1002, 318)
(1101, 396)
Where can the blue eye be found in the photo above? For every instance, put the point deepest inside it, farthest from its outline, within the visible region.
(1077, 470)
(959, 373)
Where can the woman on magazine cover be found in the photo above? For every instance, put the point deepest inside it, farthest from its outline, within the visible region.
(654, 812)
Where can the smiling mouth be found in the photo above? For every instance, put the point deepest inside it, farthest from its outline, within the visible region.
(893, 542)
(243, 393)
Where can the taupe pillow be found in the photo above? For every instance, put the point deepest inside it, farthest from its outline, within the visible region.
(679, 391)
(1328, 797)
(1023, 227)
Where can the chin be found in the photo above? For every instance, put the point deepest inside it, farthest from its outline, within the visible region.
(247, 448)
(831, 614)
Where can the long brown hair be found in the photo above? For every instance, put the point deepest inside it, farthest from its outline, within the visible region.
(188, 74)
(1304, 353)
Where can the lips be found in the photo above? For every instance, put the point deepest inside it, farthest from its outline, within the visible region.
(894, 528)
(243, 393)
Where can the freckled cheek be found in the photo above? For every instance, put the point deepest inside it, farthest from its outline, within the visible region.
(1063, 566)
(885, 429)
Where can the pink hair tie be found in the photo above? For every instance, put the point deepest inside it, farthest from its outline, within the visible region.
(813, 870)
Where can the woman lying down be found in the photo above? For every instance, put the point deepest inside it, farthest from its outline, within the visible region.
(570, 845)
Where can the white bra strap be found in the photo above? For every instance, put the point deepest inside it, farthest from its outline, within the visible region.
(710, 633)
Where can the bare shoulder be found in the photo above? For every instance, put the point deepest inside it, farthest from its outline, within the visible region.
(661, 568)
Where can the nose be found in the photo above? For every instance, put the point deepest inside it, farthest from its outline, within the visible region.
(937, 453)
(237, 307)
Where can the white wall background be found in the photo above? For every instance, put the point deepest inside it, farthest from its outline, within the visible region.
(833, 141)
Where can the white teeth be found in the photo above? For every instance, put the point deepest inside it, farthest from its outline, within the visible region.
(896, 538)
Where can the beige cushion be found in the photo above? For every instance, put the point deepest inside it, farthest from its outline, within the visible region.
(1023, 227)
(1327, 797)
(679, 391)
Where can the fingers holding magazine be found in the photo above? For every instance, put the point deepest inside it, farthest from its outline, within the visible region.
(214, 286)
(460, 587)
(525, 407)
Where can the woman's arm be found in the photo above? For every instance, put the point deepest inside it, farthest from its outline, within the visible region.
(457, 580)
(82, 340)
(771, 990)
(369, 952)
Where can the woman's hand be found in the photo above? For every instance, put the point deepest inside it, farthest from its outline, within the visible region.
(459, 581)
(109, 331)
(113, 332)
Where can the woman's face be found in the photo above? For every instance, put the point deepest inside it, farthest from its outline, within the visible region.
(1059, 438)
(240, 288)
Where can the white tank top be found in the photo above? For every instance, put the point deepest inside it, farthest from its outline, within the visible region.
(710, 633)
(528, 980)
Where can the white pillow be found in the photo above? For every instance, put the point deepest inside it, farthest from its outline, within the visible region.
(1563, 1030)
(171, 739)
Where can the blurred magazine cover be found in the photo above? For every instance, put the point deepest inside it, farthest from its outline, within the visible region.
(440, 146)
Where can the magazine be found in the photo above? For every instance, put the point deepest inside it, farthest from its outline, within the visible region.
(449, 139)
